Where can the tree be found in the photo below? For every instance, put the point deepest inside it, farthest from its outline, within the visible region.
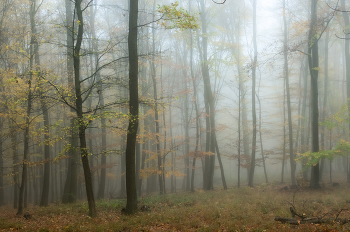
(254, 64)
(29, 99)
(209, 107)
(79, 111)
(313, 68)
(286, 75)
(70, 187)
(347, 58)
(131, 205)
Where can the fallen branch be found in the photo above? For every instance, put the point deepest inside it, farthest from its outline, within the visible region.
(294, 221)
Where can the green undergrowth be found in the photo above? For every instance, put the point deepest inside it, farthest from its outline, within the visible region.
(238, 209)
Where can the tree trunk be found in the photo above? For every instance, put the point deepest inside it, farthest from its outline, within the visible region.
(304, 120)
(286, 75)
(46, 177)
(156, 115)
(313, 67)
(15, 166)
(27, 121)
(347, 62)
(2, 192)
(210, 109)
(252, 164)
(131, 205)
(70, 186)
(196, 106)
(261, 143)
(79, 111)
(323, 117)
(102, 184)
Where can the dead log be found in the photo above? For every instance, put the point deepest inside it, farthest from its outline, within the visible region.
(294, 221)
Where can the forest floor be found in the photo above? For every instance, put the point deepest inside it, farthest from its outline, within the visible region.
(238, 209)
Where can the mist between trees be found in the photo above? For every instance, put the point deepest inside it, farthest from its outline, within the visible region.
(115, 98)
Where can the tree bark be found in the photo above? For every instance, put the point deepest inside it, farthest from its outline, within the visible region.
(70, 186)
(79, 111)
(313, 67)
(156, 115)
(47, 165)
(131, 205)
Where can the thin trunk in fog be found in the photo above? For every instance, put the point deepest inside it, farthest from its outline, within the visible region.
(254, 64)
(47, 164)
(220, 164)
(347, 62)
(304, 124)
(156, 117)
(16, 164)
(209, 106)
(102, 184)
(239, 137)
(2, 193)
(289, 108)
(284, 132)
(325, 98)
(313, 67)
(164, 126)
(195, 97)
(27, 119)
(131, 204)
(79, 111)
(144, 87)
(186, 119)
(70, 186)
(261, 142)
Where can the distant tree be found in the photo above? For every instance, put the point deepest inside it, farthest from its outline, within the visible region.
(345, 15)
(254, 64)
(286, 76)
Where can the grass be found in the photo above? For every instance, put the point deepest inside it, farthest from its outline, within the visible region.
(243, 209)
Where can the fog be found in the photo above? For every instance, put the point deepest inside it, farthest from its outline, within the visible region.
(186, 126)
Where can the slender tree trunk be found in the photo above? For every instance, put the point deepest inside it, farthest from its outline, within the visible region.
(156, 117)
(27, 123)
(15, 166)
(102, 184)
(261, 143)
(2, 192)
(304, 124)
(252, 164)
(330, 161)
(323, 115)
(210, 109)
(239, 137)
(70, 186)
(79, 111)
(26, 139)
(284, 132)
(221, 166)
(195, 105)
(286, 75)
(313, 67)
(347, 62)
(46, 177)
(131, 205)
